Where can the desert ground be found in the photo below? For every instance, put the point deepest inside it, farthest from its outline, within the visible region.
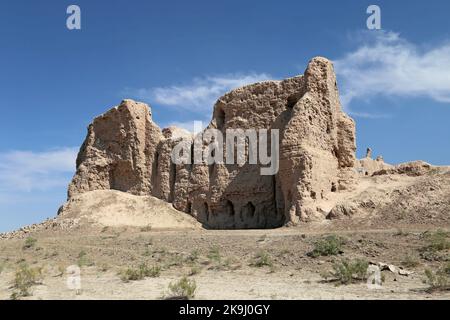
(401, 226)
(224, 264)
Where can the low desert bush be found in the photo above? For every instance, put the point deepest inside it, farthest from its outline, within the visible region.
(29, 243)
(83, 259)
(348, 271)
(437, 280)
(24, 278)
(194, 270)
(436, 241)
(447, 268)
(139, 273)
(436, 245)
(214, 254)
(328, 246)
(183, 289)
(192, 257)
(174, 260)
(262, 259)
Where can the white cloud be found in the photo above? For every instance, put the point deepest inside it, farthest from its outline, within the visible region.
(189, 125)
(28, 171)
(387, 65)
(201, 93)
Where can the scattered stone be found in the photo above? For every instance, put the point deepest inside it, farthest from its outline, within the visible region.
(392, 268)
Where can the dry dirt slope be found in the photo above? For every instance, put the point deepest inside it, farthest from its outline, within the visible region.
(112, 208)
(391, 218)
(236, 264)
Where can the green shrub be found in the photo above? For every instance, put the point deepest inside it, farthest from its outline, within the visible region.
(214, 254)
(83, 259)
(29, 243)
(262, 259)
(139, 273)
(183, 289)
(348, 271)
(24, 278)
(447, 268)
(437, 281)
(193, 257)
(175, 260)
(328, 246)
(436, 241)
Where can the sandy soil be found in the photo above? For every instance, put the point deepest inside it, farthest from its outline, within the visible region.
(292, 274)
(391, 220)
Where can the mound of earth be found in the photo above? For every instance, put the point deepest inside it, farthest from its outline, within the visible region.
(113, 208)
(413, 193)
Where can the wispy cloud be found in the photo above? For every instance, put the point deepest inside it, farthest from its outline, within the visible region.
(200, 93)
(385, 64)
(192, 126)
(25, 171)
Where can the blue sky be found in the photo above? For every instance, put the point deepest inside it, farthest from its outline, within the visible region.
(181, 55)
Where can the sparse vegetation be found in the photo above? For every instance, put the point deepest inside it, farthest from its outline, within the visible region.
(328, 246)
(29, 243)
(175, 260)
(104, 267)
(24, 278)
(183, 289)
(447, 268)
(436, 241)
(194, 270)
(410, 261)
(61, 270)
(348, 271)
(83, 259)
(193, 257)
(205, 257)
(438, 280)
(139, 273)
(146, 228)
(147, 253)
(218, 262)
(214, 254)
(262, 259)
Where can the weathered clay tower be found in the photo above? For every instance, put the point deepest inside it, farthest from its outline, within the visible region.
(124, 150)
